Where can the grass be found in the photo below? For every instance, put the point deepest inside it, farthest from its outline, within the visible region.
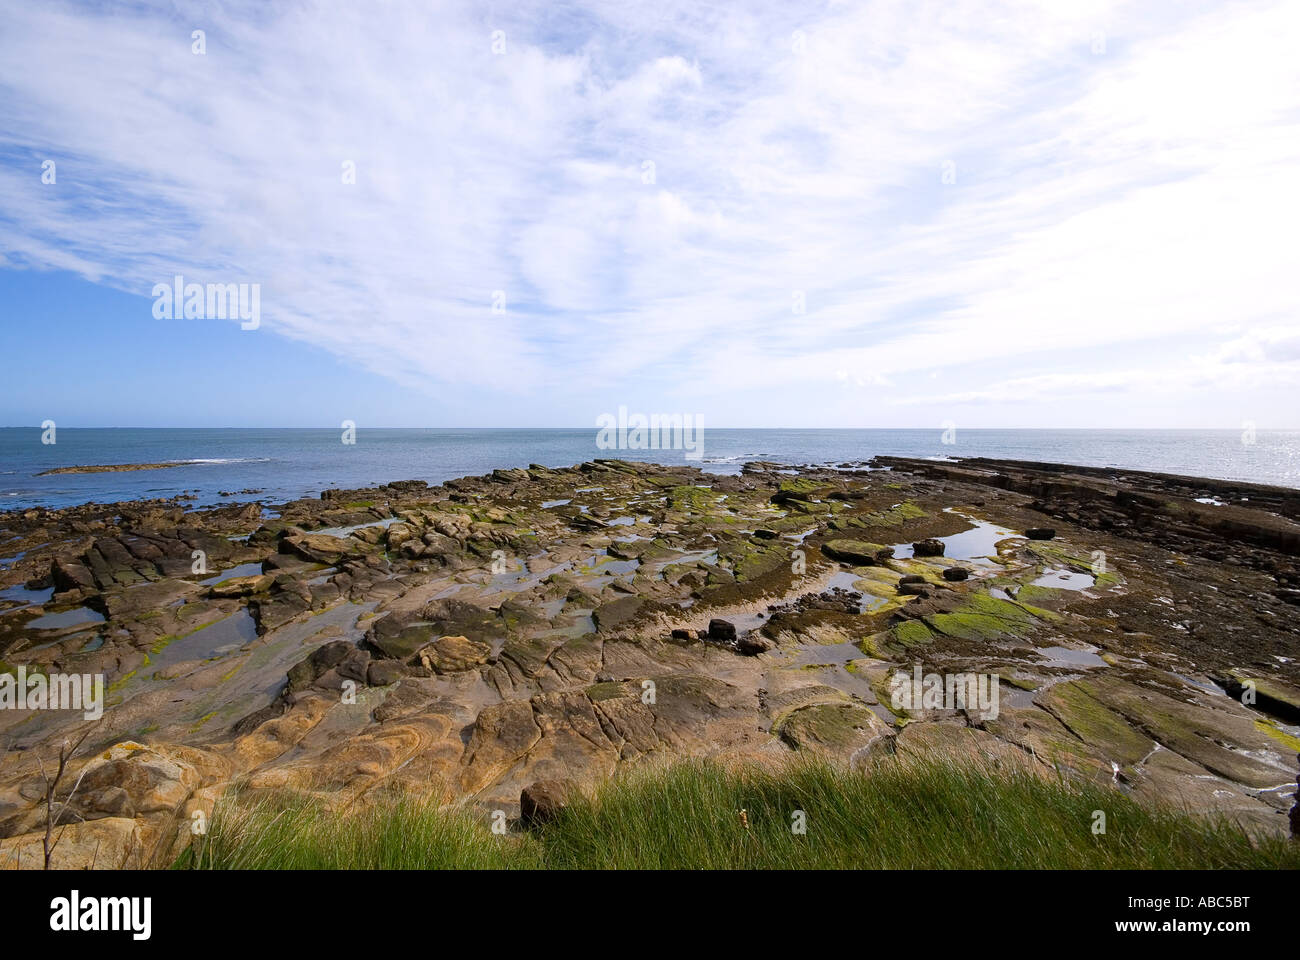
(918, 814)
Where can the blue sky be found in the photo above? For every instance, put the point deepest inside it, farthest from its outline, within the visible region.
(997, 214)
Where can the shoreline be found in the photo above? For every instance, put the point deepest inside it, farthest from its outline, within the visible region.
(504, 626)
(1236, 489)
(286, 464)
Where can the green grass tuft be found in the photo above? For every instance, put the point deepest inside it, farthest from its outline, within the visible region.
(910, 815)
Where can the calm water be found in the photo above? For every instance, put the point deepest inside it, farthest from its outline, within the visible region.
(287, 463)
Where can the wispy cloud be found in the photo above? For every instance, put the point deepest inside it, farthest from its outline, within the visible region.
(998, 192)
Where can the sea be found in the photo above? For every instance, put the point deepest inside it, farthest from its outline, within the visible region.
(275, 465)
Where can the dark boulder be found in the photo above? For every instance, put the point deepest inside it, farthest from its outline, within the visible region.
(928, 548)
(542, 801)
(723, 631)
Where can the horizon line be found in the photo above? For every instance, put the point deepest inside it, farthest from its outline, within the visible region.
(939, 427)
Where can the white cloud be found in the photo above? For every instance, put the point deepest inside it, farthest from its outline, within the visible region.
(1102, 201)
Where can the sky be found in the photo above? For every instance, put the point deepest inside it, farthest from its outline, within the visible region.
(840, 214)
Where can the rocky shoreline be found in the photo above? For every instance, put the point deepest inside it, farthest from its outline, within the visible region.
(535, 631)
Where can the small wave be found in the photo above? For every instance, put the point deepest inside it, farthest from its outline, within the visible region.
(197, 460)
(740, 457)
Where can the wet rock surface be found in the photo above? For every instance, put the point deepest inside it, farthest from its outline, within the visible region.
(513, 637)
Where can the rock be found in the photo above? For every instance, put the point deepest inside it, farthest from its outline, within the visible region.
(931, 547)
(1040, 533)
(802, 489)
(276, 610)
(272, 531)
(408, 486)
(108, 801)
(398, 534)
(354, 666)
(857, 552)
(403, 642)
(501, 734)
(137, 779)
(1109, 713)
(323, 659)
(952, 743)
(561, 697)
(113, 843)
(380, 673)
(147, 598)
(323, 548)
(1270, 695)
(241, 586)
(614, 614)
(541, 802)
(831, 729)
(71, 575)
(454, 654)
(722, 631)
(283, 562)
(176, 566)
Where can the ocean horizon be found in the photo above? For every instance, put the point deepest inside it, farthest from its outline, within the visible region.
(233, 464)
